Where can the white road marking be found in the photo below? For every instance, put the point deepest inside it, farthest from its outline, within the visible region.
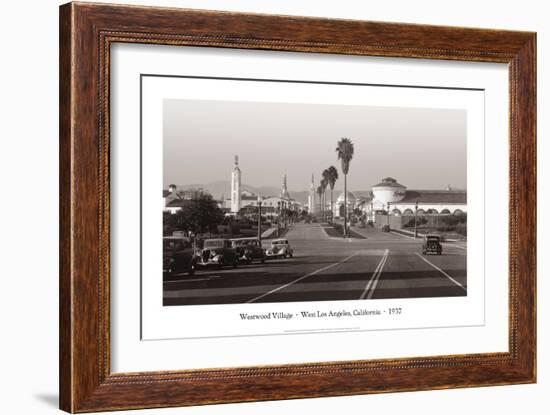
(301, 278)
(367, 292)
(440, 270)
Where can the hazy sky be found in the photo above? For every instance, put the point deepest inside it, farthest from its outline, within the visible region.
(421, 148)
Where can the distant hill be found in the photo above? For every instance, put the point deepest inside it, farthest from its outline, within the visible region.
(223, 187)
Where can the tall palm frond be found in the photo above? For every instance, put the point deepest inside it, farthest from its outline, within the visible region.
(332, 177)
(345, 151)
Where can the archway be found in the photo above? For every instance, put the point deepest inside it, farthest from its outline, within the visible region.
(408, 212)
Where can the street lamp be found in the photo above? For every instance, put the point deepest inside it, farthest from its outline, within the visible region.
(388, 214)
(279, 219)
(260, 218)
(415, 220)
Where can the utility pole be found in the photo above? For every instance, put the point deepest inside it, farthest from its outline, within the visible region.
(279, 219)
(415, 220)
(260, 219)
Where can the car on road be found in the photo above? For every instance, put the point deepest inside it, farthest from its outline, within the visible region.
(218, 252)
(432, 245)
(248, 250)
(280, 248)
(178, 256)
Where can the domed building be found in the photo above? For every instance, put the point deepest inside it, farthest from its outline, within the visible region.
(339, 204)
(391, 196)
(388, 191)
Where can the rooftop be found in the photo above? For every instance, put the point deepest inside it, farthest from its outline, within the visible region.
(389, 182)
(179, 202)
(434, 196)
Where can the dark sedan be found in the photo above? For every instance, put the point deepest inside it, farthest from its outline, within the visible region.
(432, 245)
(218, 252)
(178, 256)
(249, 249)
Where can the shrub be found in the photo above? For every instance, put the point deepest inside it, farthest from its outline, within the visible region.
(420, 220)
(338, 228)
(386, 228)
(462, 229)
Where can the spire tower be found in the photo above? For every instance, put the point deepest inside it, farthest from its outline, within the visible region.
(236, 187)
(311, 197)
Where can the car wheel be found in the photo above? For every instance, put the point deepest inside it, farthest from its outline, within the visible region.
(221, 263)
(262, 260)
(191, 270)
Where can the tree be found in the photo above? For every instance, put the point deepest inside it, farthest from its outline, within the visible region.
(332, 177)
(199, 214)
(324, 184)
(169, 223)
(345, 154)
(320, 193)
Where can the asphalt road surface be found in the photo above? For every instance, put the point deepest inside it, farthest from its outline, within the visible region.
(384, 265)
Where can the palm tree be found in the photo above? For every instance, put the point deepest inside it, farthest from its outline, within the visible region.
(332, 177)
(324, 184)
(320, 193)
(345, 154)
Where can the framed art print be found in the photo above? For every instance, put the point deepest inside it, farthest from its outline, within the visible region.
(347, 207)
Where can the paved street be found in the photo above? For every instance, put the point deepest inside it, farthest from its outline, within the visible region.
(384, 265)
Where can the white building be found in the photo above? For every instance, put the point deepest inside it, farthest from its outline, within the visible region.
(389, 195)
(311, 197)
(338, 208)
(284, 190)
(236, 187)
(172, 199)
(242, 199)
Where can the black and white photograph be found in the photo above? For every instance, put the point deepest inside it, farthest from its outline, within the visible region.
(270, 202)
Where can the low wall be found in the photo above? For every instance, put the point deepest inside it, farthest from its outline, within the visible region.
(396, 222)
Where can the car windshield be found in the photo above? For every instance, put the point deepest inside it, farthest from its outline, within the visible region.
(213, 243)
(245, 242)
(433, 238)
(175, 244)
(279, 242)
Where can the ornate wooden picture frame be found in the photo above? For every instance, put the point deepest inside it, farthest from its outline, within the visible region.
(87, 32)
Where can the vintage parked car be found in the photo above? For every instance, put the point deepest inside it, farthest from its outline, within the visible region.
(248, 250)
(178, 256)
(280, 248)
(432, 244)
(218, 252)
